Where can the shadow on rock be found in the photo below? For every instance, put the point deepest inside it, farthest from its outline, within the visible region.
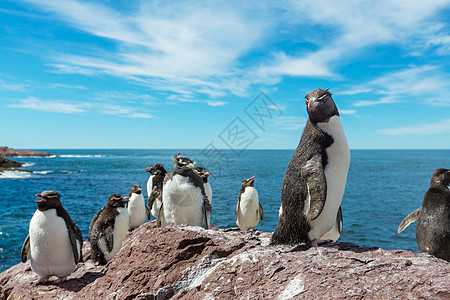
(77, 284)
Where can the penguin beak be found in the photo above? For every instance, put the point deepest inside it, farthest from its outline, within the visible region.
(312, 104)
(148, 169)
(207, 174)
(252, 179)
(127, 197)
(190, 166)
(41, 199)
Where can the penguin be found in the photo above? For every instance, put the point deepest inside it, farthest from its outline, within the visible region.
(204, 175)
(154, 188)
(184, 197)
(315, 178)
(137, 209)
(248, 208)
(54, 241)
(108, 229)
(433, 217)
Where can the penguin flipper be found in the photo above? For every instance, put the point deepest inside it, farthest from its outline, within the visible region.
(94, 219)
(238, 207)
(25, 249)
(160, 216)
(316, 182)
(261, 211)
(412, 217)
(108, 235)
(147, 212)
(73, 242)
(339, 220)
(206, 212)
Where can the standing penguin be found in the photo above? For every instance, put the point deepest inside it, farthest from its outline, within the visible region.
(314, 182)
(204, 175)
(184, 198)
(108, 229)
(248, 208)
(154, 188)
(137, 210)
(54, 241)
(433, 226)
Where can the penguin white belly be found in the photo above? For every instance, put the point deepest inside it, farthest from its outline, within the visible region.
(335, 175)
(208, 191)
(136, 210)
(150, 186)
(50, 248)
(248, 214)
(182, 203)
(156, 207)
(120, 232)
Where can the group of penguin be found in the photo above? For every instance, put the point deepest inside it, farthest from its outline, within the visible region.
(182, 196)
(310, 212)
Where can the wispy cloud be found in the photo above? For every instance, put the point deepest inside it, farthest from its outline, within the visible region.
(215, 103)
(70, 107)
(427, 83)
(420, 129)
(166, 45)
(347, 111)
(16, 87)
(68, 86)
(290, 122)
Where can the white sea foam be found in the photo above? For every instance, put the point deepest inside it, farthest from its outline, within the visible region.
(14, 175)
(43, 172)
(27, 165)
(81, 155)
(50, 156)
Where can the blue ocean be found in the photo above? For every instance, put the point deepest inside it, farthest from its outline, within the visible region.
(383, 187)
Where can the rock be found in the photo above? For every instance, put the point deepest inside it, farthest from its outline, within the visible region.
(193, 263)
(10, 152)
(10, 165)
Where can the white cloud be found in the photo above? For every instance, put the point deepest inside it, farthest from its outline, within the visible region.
(197, 47)
(68, 86)
(16, 87)
(427, 83)
(347, 111)
(215, 103)
(50, 106)
(421, 129)
(290, 122)
(71, 107)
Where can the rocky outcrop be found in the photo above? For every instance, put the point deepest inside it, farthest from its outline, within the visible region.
(10, 165)
(193, 263)
(10, 152)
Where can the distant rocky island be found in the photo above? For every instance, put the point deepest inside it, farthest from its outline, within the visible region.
(10, 152)
(11, 165)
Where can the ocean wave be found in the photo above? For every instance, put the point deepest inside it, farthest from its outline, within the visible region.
(51, 156)
(81, 155)
(14, 175)
(42, 172)
(27, 165)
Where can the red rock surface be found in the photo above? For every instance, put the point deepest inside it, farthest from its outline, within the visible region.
(193, 263)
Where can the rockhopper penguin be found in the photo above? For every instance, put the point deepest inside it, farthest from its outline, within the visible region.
(248, 208)
(108, 229)
(314, 182)
(433, 217)
(204, 175)
(137, 210)
(54, 241)
(184, 198)
(154, 188)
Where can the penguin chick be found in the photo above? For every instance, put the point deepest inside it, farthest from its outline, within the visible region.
(154, 188)
(184, 198)
(248, 208)
(204, 175)
(137, 210)
(433, 226)
(54, 241)
(108, 229)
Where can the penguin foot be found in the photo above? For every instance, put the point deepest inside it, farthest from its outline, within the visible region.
(318, 242)
(60, 279)
(43, 279)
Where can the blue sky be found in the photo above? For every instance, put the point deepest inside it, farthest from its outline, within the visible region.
(168, 74)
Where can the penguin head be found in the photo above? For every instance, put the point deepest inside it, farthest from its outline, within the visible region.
(48, 200)
(183, 165)
(157, 169)
(116, 200)
(203, 174)
(441, 177)
(320, 105)
(248, 182)
(136, 189)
